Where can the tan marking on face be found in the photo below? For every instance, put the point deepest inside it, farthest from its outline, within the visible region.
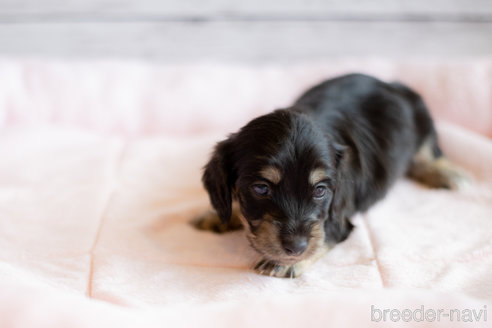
(272, 174)
(301, 266)
(244, 222)
(316, 176)
(266, 240)
(289, 268)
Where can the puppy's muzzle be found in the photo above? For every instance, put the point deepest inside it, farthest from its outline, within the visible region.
(295, 245)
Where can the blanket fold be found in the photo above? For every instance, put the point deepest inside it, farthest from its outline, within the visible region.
(100, 168)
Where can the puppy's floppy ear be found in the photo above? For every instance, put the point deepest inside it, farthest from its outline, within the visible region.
(338, 227)
(218, 180)
(341, 152)
(338, 230)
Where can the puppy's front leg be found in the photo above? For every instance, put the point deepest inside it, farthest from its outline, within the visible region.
(273, 269)
(210, 221)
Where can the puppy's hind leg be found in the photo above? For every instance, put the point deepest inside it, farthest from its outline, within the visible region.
(210, 221)
(430, 167)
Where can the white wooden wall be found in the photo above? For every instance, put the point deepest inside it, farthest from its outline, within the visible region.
(245, 30)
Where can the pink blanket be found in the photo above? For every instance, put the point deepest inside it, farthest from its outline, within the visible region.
(100, 167)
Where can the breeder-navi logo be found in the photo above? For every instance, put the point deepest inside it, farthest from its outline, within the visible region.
(428, 315)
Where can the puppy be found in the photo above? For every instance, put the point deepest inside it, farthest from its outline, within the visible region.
(294, 177)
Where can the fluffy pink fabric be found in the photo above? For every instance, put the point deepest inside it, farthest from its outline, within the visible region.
(100, 168)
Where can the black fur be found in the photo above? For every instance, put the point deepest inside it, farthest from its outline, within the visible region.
(363, 132)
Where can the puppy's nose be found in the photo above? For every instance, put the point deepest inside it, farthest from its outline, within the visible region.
(295, 246)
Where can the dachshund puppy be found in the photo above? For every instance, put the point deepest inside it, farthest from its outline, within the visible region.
(294, 177)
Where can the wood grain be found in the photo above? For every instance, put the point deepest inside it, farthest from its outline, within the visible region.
(242, 41)
(162, 9)
(253, 30)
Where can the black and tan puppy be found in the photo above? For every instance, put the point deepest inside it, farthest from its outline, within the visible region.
(294, 177)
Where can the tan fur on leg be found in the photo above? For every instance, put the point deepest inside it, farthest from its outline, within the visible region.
(437, 172)
(210, 221)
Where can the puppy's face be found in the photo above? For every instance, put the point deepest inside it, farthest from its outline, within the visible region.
(282, 171)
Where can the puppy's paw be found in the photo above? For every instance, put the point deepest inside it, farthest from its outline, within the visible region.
(440, 173)
(450, 176)
(273, 269)
(210, 221)
(458, 179)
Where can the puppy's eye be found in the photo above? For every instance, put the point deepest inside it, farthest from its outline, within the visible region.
(319, 191)
(261, 189)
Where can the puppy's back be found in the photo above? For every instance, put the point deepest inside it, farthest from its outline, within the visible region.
(376, 123)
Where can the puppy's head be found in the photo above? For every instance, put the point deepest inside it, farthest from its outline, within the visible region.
(282, 170)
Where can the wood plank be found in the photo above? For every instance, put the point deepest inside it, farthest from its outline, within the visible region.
(162, 9)
(242, 41)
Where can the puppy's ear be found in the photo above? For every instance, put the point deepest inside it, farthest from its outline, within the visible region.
(218, 180)
(341, 152)
(338, 227)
